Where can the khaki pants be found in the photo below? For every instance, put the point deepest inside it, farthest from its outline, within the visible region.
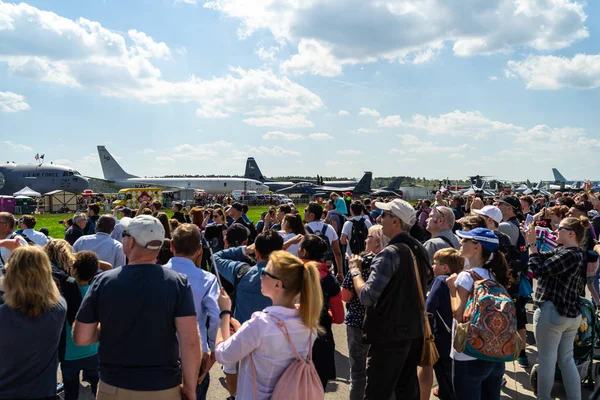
(109, 392)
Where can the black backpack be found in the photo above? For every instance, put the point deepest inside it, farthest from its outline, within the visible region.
(513, 258)
(328, 256)
(358, 236)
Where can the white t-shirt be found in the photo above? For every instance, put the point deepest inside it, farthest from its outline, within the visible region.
(465, 281)
(4, 252)
(293, 249)
(317, 226)
(347, 230)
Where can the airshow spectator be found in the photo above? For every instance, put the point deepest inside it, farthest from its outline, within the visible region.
(340, 204)
(180, 213)
(283, 279)
(355, 315)
(155, 206)
(126, 302)
(117, 232)
(214, 232)
(165, 253)
(457, 209)
(32, 307)
(7, 225)
(77, 229)
(356, 225)
(292, 227)
(425, 210)
(313, 248)
(282, 211)
(440, 224)
(509, 206)
(233, 266)
(334, 217)
(186, 246)
(312, 216)
(38, 238)
(93, 212)
(80, 358)
(107, 249)
(394, 329)
(236, 212)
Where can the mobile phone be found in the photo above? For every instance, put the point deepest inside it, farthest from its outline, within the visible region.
(528, 222)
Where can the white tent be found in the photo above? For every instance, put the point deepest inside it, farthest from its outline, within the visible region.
(26, 191)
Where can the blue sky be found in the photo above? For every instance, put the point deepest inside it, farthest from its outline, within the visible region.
(399, 87)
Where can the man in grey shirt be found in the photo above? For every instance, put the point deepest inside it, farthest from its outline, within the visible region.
(439, 224)
(510, 206)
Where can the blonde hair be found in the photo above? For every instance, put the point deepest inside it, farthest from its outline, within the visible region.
(60, 253)
(377, 232)
(450, 257)
(28, 285)
(298, 277)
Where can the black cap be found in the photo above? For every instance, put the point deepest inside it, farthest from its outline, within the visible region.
(237, 206)
(236, 234)
(511, 201)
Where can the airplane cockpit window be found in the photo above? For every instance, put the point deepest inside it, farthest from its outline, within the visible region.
(77, 173)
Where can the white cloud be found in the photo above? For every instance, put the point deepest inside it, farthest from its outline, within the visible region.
(320, 136)
(275, 135)
(552, 72)
(17, 147)
(267, 54)
(392, 121)
(365, 130)
(458, 123)
(369, 112)
(42, 45)
(396, 151)
(275, 151)
(412, 144)
(194, 152)
(333, 33)
(343, 113)
(350, 152)
(456, 156)
(146, 151)
(165, 159)
(281, 121)
(186, 1)
(12, 102)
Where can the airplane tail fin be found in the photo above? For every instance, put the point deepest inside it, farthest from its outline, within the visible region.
(110, 167)
(252, 170)
(396, 183)
(364, 185)
(558, 176)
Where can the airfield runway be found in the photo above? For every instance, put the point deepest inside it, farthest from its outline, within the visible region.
(517, 378)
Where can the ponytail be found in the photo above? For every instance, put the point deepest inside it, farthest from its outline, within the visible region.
(496, 263)
(300, 278)
(311, 296)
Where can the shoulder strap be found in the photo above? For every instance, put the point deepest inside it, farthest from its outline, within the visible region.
(309, 229)
(445, 239)
(417, 274)
(324, 229)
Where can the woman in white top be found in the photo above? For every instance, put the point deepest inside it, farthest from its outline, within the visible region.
(284, 277)
(476, 379)
(291, 227)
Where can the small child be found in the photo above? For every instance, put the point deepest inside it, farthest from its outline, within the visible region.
(445, 263)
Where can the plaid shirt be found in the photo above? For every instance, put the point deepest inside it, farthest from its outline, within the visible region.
(561, 276)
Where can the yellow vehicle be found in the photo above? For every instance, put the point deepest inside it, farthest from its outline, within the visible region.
(133, 197)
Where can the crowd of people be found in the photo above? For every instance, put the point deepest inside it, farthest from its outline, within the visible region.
(143, 306)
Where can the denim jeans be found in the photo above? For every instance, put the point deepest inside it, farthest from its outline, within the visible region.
(597, 283)
(202, 389)
(357, 355)
(478, 379)
(70, 374)
(554, 335)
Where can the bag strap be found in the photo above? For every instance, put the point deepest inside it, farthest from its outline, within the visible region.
(283, 328)
(445, 239)
(444, 322)
(417, 275)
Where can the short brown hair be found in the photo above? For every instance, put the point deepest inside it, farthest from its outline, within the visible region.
(527, 199)
(451, 257)
(156, 204)
(95, 208)
(186, 239)
(8, 218)
(471, 222)
(29, 221)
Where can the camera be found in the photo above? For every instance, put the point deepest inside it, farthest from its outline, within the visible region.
(62, 221)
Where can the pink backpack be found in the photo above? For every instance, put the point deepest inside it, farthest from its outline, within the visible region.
(300, 381)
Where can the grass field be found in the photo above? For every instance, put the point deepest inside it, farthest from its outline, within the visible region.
(57, 230)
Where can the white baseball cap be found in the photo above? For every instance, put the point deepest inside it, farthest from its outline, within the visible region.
(490, 211)
(146, 230)
(401, 209)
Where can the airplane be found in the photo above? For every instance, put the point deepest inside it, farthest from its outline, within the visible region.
(42, 178)
(253, 172)
(478, 186)
(392, 190)
(362, 187)
(113, 173)
(528, 188)
(561, 183)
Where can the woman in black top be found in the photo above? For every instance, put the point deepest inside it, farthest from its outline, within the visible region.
(561, 274)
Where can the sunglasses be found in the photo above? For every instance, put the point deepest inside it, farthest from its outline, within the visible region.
(125, 234)
(270, 275)
(465, 240)
(564, 228)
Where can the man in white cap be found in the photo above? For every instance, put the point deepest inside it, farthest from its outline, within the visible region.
(394, 321)
(142, 309)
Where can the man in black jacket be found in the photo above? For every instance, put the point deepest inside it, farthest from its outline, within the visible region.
(394, 322)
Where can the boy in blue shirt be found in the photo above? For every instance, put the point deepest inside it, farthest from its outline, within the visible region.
(445, 263)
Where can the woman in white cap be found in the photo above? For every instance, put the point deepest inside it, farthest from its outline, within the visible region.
(474, 378)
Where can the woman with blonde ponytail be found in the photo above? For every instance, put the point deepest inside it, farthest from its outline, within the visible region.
(259, 345)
